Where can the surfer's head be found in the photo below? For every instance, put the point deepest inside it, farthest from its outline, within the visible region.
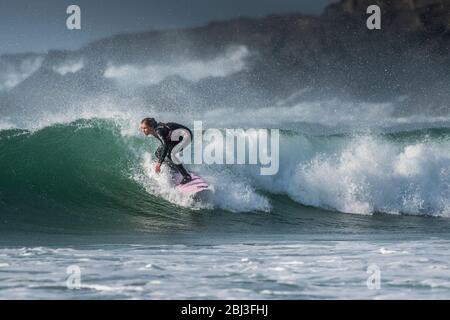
(148, 126)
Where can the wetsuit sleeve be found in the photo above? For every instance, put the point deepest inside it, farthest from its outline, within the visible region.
(163, 136)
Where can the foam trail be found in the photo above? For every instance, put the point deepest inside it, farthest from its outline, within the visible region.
(368, 174)
(229, 192)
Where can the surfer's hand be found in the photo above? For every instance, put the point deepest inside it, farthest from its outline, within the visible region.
(158, 168)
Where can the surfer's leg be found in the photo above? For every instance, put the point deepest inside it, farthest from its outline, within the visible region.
(186, 176)
(179, 167)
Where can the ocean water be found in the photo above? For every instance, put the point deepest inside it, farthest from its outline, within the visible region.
(238, 268)
(360, 214)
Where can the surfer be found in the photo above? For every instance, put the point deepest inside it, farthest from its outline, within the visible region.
(162, 131)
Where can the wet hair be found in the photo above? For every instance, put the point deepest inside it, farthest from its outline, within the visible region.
(150, 122)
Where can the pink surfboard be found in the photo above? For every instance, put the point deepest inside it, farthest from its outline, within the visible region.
(196, 185)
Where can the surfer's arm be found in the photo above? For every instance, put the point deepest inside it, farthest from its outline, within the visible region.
(164, 154)
(163, 135)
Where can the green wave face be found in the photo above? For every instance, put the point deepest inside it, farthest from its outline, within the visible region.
(73, 176)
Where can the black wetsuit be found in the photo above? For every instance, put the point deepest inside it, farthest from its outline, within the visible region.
(162, 133)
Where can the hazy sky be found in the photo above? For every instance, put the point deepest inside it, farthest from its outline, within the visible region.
(40, 25)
